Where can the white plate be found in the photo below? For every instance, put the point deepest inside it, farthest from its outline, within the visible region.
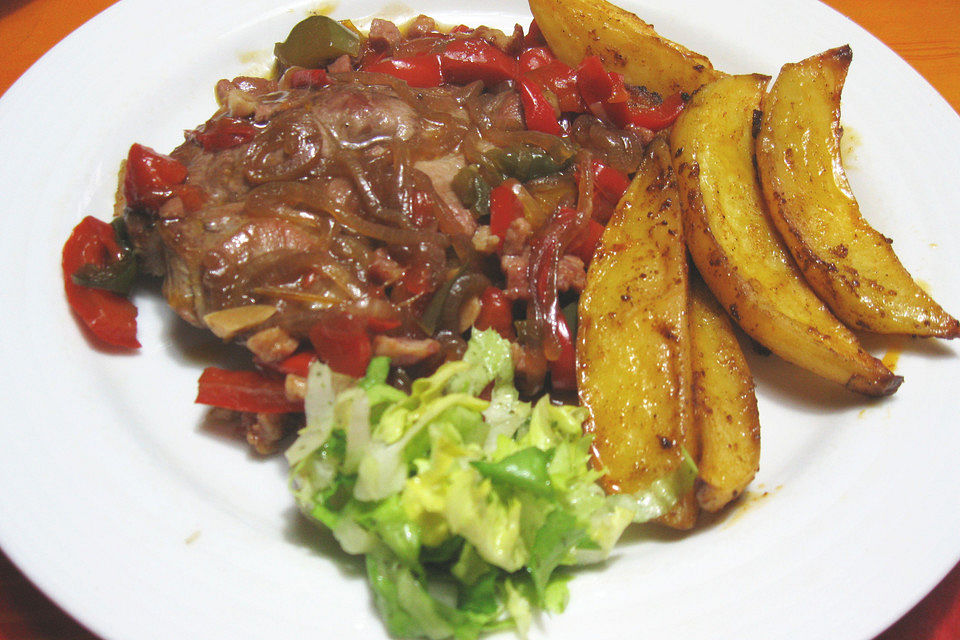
(142, 525)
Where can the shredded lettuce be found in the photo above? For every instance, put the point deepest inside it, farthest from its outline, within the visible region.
(466, 509)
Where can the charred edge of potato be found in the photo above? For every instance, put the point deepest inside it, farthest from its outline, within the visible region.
(851, 266)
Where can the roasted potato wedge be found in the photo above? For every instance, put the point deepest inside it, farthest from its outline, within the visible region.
(738, 251)
(575, 29)
(851, 266)
(633, 350)
(724, 404)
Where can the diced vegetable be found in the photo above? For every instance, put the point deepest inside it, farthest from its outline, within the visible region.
(150, 177)
(244, 391)
(563, 370)
(527, 162)
(559, 79)
(300, 78)
(110, 317)
(609, 186)
(342, 341)
(317, 41)
(587, 244)
(646, 112)
(470, 59)
(298, 364)
(223, 133)
(496, 312)
(538, 113)
(417, 71)
(504, 207)
(534, 58)
(472, 190)
(594, 82)
(118, 273)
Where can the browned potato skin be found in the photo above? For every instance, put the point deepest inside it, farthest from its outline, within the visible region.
(633, 350)
(738, 251)
(851, 266)
(575, 29)
(724, 403)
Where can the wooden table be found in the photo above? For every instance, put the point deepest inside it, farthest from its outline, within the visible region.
(924, 32)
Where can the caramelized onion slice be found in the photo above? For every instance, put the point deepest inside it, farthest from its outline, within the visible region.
(312, 196)
(286, 150)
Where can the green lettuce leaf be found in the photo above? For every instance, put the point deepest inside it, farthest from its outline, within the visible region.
(469, 512)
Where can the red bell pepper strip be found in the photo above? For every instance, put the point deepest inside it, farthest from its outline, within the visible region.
(298, 364)
(244, 391)
(595, 84)
(563, 370)
(586, 245)
(469, 59)
(342, 341)
(150, 177)
(223, 133)
(505, 207)
(537, 110)
(534, 58)
(609, 186)
(634, 111)
(561, 80)
(111, 318)
(611, 183)
(417, 71)
(496, 312)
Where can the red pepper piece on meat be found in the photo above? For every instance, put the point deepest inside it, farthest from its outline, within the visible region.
(192, 196)
(298, 364)
(534, 58)
(244, 391)
(417, 71)
(646, 113)
(595, 84)
(110, 317)
(342, 341)
(609, 186)
(561, 80)
(470, 59)
(537, 110)
(611, 183)
(505, 207)
(417, 281)
(496, 312)
(587, 244)
(223, 133)
(150, 177)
